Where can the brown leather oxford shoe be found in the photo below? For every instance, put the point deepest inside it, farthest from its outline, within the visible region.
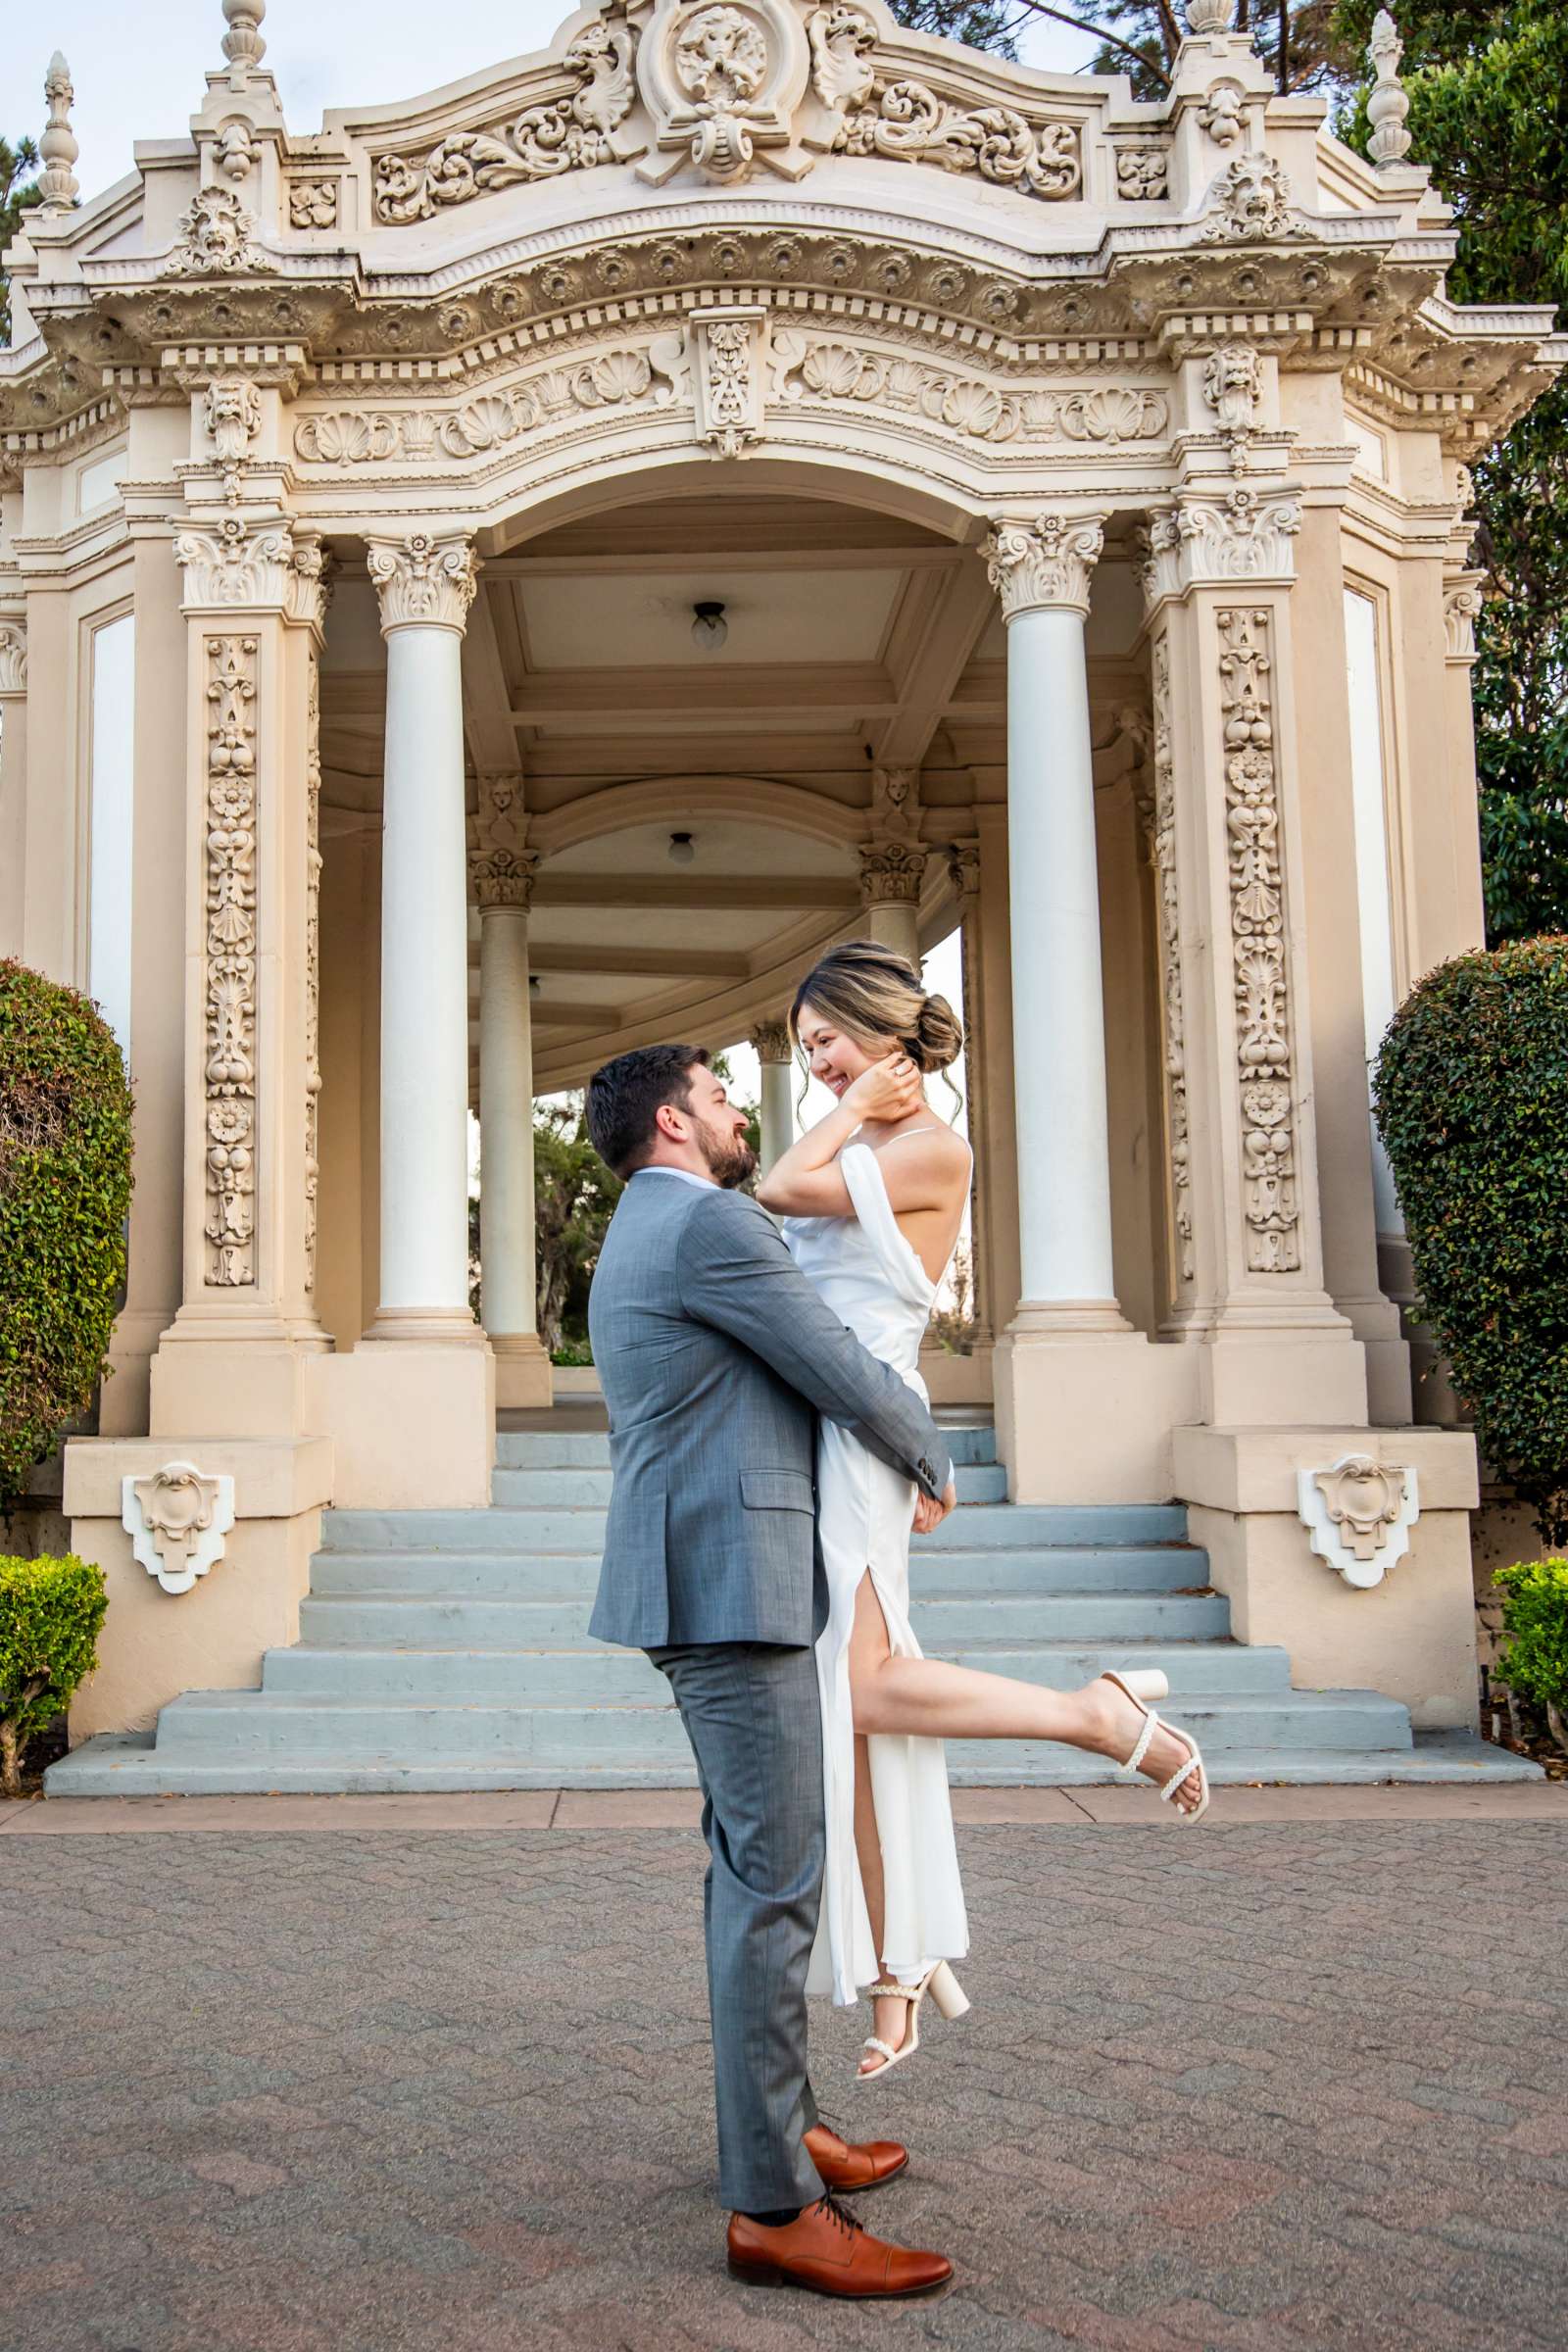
(826, 2249)
(853, 2165)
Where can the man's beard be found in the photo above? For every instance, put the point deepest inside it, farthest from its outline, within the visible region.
(730, 1158)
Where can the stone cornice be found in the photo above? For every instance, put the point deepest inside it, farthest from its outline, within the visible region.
(1045, 562)
(423, 580)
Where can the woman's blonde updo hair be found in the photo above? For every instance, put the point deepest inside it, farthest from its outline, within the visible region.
(872, 995)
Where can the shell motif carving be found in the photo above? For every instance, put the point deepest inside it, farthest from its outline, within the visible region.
(615, 378)
(572, 134)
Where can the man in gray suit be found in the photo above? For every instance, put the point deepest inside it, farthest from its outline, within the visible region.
(716, 1355)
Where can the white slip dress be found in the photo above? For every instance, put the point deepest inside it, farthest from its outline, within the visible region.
(873, 1279)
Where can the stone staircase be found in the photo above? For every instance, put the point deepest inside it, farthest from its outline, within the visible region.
(450, 1650)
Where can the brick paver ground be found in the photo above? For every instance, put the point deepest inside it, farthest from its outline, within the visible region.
(1253, 2089)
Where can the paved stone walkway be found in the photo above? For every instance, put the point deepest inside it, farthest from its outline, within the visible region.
(1288, 2084)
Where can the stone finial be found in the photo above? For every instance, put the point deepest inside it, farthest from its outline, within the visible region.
(1210, 16)
(58, 145)
(243, 45)
(1388, 105)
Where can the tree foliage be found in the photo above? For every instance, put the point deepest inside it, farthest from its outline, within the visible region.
(65, 1189)
(1471, 1091)
(1488, 83)
(1295, 39)
(982, 23)
(17, 193)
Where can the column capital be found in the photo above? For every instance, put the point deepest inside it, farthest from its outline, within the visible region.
(13, 655)
(1043, 562)
(963, 871)
(771, 1041)
(501, 864)
(891, 873)
(1216, 540)
(423, 580)
(253, 565)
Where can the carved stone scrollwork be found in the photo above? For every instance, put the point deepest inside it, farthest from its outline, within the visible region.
(893, 861)
(13, 656)
(1463, 602)
(1250, 199)
(1173, 1023)
(230, 959)
(232, 411)
(312, 204)
(177, 1519)
(614, 379)
(908, 119)
(501, 864)
(805, 368)
(1048, 561)
(1263, 1050)
(1142, 174)
(572, 134)
(771, 1041)
(842, 39)
(236, 151)
(313, 958)
(421, 579)
(1358, 1514)
(217, 239)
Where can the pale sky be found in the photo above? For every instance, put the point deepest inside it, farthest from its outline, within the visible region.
(138, 65)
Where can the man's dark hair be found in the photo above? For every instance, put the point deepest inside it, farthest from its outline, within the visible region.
(626, 1096)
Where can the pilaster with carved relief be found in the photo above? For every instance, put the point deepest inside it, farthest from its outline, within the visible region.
(1225, 844)
(253, 600)
(13, 775)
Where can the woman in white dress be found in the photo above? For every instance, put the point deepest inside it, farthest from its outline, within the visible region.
(872, 1200)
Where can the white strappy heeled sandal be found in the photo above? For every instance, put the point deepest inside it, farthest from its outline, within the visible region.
(950, 1997)
(1151, 1683)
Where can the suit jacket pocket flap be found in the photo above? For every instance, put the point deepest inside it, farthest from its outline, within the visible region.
(777, 1491)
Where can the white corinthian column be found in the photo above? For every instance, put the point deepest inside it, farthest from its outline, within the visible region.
(1041, 571)
(771, 1041)
(501, 868)
(1082, 1409)
(425, 585)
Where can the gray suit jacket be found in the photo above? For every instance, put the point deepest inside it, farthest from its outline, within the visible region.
(716, 1355)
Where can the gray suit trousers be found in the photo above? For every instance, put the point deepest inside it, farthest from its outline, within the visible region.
(754, 1719)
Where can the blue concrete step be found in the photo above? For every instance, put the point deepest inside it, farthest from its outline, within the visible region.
(130, 1764)
(565, 1737)
(560, 1575)
(450, 1649)
(559, 1670)
(532, 1530)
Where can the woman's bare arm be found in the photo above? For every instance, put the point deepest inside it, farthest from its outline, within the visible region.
(805, 1180)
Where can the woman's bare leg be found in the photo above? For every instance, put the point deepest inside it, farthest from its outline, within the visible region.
(889, 2018)
(933, 1701)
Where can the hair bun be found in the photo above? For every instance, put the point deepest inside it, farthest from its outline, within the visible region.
(938, 1034)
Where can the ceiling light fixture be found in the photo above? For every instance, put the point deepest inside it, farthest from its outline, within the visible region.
(681, 849)
(710, 628)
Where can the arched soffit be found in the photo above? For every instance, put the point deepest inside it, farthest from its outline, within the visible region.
(755, 800)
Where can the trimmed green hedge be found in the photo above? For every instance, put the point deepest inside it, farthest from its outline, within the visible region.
(65, 1189)
(1470, 1091)
(1534, 1661)
(51, 1613)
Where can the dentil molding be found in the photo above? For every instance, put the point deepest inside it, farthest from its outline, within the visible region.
(177, 1519)
(1045, 562)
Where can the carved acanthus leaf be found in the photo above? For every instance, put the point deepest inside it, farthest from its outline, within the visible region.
(312, 204)
(1241, 536)
(1045, 562)
(423, 580)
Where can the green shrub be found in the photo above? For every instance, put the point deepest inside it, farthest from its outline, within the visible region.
(51, 1613)
(65, 1187)
(1534, 1662)
(1470, 1091)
